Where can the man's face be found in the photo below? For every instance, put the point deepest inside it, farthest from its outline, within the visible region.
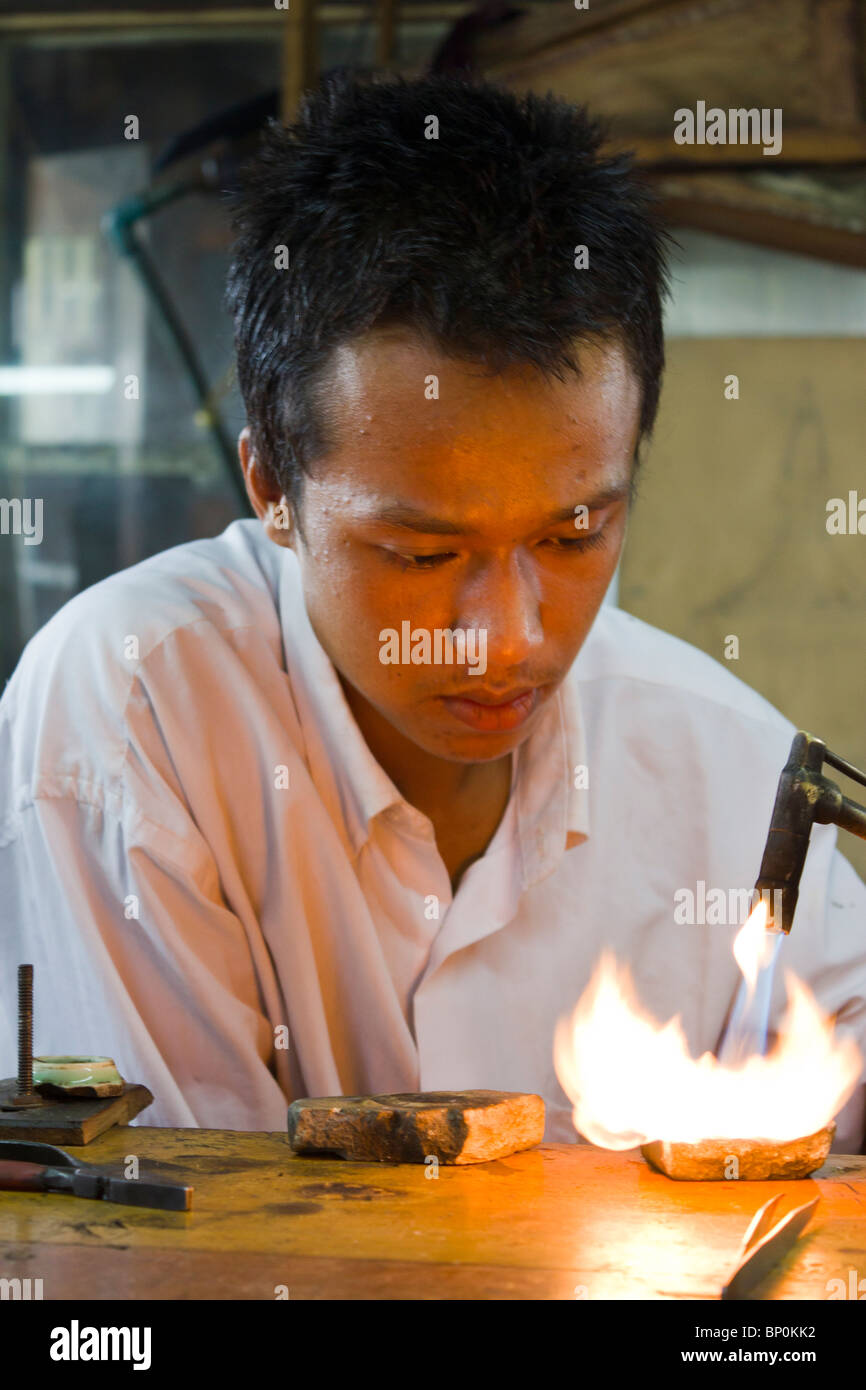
(459, 513)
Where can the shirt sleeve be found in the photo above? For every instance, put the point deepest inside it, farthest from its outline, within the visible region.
(135, 957)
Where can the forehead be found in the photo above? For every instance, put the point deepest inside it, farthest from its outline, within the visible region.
(403, 417)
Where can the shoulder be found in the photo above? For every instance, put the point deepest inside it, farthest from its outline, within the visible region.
(225, 582)
(656, 666)
(64, 712)
(670, 717)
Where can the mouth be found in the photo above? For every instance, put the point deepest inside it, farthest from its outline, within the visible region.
(491, 713)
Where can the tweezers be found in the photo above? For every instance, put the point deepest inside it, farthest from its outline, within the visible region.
(764, 1244)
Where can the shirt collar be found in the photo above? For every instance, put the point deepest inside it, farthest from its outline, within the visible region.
(552, 795)
(552, 812)
(353, 785)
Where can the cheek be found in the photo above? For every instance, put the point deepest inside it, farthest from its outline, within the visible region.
(574, 584)
(362, 593)
(349, 601)
(574, 595)
(359, 590)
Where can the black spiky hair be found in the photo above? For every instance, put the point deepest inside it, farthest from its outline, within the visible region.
(446, 204)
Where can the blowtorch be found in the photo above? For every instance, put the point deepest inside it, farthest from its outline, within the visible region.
(804, 796)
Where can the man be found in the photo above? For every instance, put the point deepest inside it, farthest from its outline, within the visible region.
(350, 798)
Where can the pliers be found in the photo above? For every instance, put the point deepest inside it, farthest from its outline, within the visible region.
(31, 1167)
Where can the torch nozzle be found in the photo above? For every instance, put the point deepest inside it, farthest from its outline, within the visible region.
(804, 796)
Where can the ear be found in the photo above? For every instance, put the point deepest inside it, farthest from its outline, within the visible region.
(269, 502)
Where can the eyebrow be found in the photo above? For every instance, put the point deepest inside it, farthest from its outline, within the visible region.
(407, 518)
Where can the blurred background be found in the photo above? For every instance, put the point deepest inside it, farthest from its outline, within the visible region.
(121, 128)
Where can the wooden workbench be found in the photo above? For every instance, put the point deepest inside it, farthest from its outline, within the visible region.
(558, 1222)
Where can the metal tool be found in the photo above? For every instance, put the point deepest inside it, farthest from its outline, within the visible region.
(25, 1098)
(804, 796)
(31, 1167)
(35, 1107)
(764, 1244)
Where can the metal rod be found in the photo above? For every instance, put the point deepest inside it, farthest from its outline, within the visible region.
(300, 56)
(119, 224)
(386, 15)
(851, 817)
(338, 14)
(25, 1030)
(848, 768)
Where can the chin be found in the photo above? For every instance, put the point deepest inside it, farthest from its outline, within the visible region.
(471, 747)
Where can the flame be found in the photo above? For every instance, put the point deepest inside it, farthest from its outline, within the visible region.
(753, 944)
(632, 1080)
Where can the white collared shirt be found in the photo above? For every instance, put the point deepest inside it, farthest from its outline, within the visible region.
(220, 887)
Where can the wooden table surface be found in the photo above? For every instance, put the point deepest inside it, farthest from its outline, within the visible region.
(561, 1221)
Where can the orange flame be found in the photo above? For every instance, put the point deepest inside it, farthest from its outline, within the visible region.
(632, 1080)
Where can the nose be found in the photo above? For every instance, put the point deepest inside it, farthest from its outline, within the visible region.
(501, 598)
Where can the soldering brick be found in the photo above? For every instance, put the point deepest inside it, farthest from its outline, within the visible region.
(454, 1127)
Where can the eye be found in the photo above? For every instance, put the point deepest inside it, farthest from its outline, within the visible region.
(597, 540)
(419, 562)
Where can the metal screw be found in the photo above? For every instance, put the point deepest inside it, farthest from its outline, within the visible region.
(25, 1096)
